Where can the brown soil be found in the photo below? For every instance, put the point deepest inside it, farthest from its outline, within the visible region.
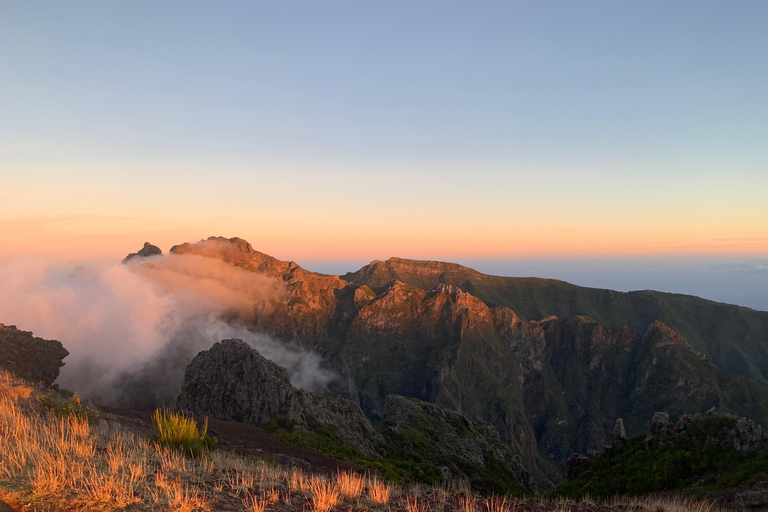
(243, 439)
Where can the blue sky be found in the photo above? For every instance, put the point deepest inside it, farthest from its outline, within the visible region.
(348, 131)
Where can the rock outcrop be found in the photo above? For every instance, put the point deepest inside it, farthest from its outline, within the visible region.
(738, 433)
(452, 441)
(31, 358)
(232, 381)
(145, 252)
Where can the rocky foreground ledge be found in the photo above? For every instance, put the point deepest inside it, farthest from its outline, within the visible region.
(29, 357)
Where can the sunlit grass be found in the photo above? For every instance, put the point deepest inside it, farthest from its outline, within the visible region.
(64, 463)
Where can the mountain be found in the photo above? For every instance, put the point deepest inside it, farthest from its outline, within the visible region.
(734, 338)
(445, 334)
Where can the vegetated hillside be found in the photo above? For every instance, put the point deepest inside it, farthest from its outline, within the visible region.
(734, 338)
(549, 387)
(700, 453)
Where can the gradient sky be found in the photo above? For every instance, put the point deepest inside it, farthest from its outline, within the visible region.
(330, 131)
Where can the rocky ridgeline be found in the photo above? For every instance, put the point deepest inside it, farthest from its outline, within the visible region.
(232, 381)
(744, 435)
(31, 358)
(740, 434)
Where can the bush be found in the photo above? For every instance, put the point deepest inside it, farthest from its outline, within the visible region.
(179, 431)
(69, 405)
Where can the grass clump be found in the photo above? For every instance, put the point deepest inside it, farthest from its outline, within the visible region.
(179, 431)
(67, 405)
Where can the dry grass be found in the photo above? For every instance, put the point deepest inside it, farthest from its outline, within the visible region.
(350, 485)
(467, 503)
(325, 494)
(68, 465)
(497, 504)
(379, 492)
(669, 504)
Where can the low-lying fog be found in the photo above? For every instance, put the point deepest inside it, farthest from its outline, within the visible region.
(132, 329)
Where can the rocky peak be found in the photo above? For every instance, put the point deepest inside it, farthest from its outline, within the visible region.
(145, 252)
(240, 253)
(232, 381)
(28, 357)
(661, 335)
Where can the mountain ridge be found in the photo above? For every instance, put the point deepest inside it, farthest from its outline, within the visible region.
(424, 331)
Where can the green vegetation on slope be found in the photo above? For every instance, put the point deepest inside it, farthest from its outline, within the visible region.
(410, 457)
(685, 463)
(734, 338)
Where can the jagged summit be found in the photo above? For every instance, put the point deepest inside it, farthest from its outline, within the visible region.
(239, 252)
(145, 252)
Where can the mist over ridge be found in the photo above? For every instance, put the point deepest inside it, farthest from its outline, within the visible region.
(132, 328)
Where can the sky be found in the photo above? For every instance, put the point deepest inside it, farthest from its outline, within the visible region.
(340, 132)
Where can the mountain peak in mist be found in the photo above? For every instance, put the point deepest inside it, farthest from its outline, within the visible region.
(145, 252)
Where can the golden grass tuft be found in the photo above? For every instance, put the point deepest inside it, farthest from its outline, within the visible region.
(379, 492)
(497, 504)
(350, 485)
(325, 494)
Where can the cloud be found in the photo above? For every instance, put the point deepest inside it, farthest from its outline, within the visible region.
(132, 329)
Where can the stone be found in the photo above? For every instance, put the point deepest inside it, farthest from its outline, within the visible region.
(575, 464)
(29, 357)
(660, 424)
(619, 433)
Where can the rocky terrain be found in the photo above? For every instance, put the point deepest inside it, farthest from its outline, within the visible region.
(232, 381)
(29, 357)
(443, 334)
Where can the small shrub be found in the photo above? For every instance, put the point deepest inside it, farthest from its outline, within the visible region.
(178, 431)
(69, 405)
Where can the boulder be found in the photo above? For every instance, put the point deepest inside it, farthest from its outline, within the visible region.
(231, 381)
(28, 357)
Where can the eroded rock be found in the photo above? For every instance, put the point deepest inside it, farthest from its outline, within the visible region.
(232, 381)
(29, 357)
